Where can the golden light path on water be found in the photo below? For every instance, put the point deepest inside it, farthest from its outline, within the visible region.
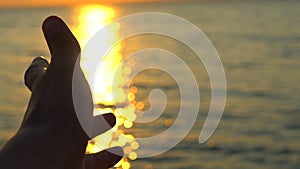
(89, 19)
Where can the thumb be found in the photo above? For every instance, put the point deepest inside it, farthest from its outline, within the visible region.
(62, 44)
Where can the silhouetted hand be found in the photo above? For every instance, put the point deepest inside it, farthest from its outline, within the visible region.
(50, 135)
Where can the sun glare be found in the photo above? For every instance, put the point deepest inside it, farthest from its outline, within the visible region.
(89, 19)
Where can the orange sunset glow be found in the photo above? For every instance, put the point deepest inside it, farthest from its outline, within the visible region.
(37, 3)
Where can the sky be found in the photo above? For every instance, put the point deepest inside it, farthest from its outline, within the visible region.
(24, 3)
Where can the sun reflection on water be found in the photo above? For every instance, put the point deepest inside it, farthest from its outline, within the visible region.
(89, 19)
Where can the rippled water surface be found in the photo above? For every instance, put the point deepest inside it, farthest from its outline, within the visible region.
(259, 45)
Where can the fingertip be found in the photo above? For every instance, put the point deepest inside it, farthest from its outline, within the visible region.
(110, 119)
(118, 151)
(35, 70)
(41, 60)
(104, 159)
(51, 26)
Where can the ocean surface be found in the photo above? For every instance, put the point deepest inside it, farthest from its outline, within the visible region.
(259, 46)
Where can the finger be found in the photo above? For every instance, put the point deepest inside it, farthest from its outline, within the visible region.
(84, 106)
(62, 44)
(102, 123)
(36, 69)
(104, 159)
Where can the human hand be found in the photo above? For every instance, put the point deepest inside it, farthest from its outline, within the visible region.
(50, 133)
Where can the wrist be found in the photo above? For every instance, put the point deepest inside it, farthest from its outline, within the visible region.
(36, 147)
(29, 148)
